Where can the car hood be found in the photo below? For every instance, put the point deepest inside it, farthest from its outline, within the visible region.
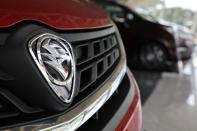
(59, 14)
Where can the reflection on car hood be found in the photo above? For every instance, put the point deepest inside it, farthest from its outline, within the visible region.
(60, 14)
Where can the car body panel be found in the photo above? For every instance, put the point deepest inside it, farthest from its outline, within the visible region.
(132, 121)
(61, 14)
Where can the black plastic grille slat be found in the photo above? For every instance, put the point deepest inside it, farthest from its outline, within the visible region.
(4, 76)
(86, 77)
(101, 67)
(98, 48)
(92, 49)
(8, 114)
(83, 53)
(92, 61)
(7, 109)
(94, 58)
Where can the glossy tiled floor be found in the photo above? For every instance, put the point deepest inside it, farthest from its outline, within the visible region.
(172, 103)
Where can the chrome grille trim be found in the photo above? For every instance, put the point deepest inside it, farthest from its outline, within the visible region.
(73, 119)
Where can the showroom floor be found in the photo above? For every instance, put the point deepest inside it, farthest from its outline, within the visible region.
(170, 98)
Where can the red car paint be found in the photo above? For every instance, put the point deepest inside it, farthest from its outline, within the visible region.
(59, 14)
(133, 118)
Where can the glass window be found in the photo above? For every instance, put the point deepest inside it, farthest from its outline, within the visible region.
(146, 15)
(116, 13)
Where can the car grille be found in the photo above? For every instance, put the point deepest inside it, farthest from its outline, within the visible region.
(96, 59)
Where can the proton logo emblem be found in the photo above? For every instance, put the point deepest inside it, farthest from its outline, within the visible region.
(55, 59)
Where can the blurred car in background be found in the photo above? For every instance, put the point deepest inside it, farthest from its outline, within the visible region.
(147, 41)
(184, 38)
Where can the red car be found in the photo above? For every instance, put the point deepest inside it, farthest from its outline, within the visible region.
(63, 67)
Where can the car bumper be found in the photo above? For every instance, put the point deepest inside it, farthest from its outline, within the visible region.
(122, 112)
(185, 52)
(181, 52)
(132, 120)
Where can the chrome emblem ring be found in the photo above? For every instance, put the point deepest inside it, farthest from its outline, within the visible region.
(55, 59)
